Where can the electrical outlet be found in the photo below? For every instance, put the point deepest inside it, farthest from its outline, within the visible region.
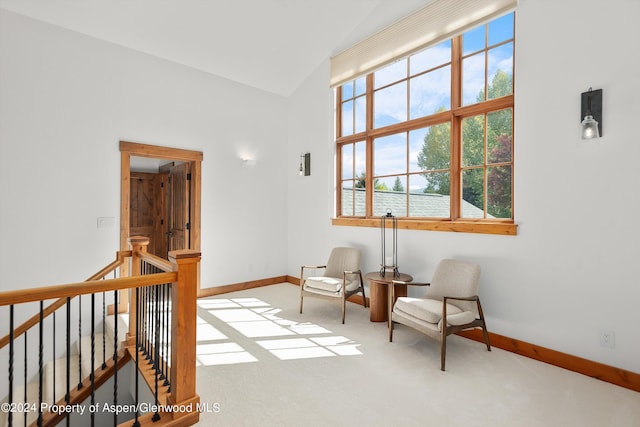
(607, 339)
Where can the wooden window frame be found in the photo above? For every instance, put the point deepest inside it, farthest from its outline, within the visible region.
(455, 116)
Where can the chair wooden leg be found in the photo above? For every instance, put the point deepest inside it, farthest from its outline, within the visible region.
(443, 339)
(301, 302)
(344, 307)
(485, 334)
(364, 297)
(443, 351)
(390, 330)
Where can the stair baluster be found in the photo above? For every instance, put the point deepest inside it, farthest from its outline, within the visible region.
(40, 363)
(167, 288)
(136, 423)
(10, 418)
(25, 376)
(115, 360)
(67, 396)
(93, 356)
(79, 340)
(104, 332)
(54, 356)
(156, 416)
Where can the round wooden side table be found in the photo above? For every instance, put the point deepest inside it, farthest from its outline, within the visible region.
(379, 291)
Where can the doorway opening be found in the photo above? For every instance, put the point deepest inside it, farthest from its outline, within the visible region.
(181, 169)
(160, 196)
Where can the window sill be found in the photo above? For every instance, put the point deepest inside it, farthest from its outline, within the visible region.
(500, 228)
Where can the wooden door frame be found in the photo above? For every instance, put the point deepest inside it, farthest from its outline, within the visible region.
(128, 149)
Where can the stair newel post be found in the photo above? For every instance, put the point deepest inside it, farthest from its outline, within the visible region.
(138, 245)
(184, 294)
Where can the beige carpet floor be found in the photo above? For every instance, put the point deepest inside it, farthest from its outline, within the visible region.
(261, 363)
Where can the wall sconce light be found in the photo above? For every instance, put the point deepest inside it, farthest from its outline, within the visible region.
(591, 114)
(305, 164)
(248, 162)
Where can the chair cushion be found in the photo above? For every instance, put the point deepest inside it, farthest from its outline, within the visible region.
(329, 284)
(458, 319)
(429, 310)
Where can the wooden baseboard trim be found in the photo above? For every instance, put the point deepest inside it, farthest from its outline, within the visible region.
(600, 371)
(218, 290)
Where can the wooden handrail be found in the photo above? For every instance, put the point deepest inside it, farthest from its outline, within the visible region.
(120, 258)
(35, 319)
(83, 288)
(156, 261)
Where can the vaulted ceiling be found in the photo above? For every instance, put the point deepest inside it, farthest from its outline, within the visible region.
(272, 45)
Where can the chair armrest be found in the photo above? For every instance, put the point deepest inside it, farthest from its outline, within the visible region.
(392, 290)
(351, 271)
(400, 282)
(472, 298)
(302, 278)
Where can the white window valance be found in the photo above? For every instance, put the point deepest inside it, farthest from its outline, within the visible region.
(436, 22)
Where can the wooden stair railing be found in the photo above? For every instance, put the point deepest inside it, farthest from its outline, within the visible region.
(35, 319)
(173, 355)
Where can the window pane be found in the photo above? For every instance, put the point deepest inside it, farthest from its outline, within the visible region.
(385, 198)
(501, 29)
(353, 203)
(390, 74)
(347, 161)
(473, 141)
(399, 184)
(427, 205)
(499, 191)
(417, 184)
(360, 86)
(353, 160)
(360, 114)
(390, 105)
(347, 91)
(347, 198)
(500, 71)
(435, 153)
(347, 118)
(473, 79)
(430, 58)
(473, 40)
(437, 183)
(417, 140)
(472, 202)
(499, 136)
(390, 155)
(430, 93)
(361, 160)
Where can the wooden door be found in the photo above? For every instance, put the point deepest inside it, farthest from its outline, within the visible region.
(148, 210)
(179, 213)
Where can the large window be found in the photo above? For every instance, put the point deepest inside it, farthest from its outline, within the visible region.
(430, 136)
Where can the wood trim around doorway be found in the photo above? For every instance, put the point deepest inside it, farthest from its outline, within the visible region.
(128, 149)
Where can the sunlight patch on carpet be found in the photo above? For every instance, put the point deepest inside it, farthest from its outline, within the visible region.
(254, 318)
(259, 329)
(222, 354)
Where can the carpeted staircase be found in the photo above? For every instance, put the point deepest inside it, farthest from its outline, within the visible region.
(59, 384)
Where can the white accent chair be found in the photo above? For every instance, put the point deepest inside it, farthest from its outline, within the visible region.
(452, 295)
(342, 278)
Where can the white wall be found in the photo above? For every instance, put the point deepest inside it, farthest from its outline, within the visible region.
(66, 100)
(569, 273)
